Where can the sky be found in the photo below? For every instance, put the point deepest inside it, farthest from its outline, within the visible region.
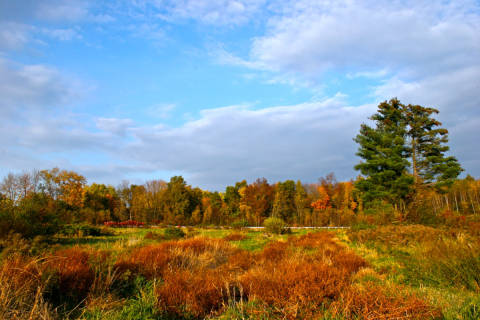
(219, 91)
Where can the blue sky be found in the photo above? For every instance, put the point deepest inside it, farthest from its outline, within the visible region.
(220, 90)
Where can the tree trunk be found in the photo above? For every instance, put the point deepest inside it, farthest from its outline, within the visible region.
(414, 161)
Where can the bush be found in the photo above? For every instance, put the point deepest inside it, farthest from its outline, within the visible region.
(235, 237)
(274, 225)
(35, 215)
(80, 230)
(153, 236)
(240, 224)
(362, 225)
(14, 244)
(174, 233)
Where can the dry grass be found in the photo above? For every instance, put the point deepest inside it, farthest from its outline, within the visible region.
(374, 302)
(235, 237)
(187, 293)
(449, 264)
(195, 253)
(399, 235)
(22, 289)
(72, 269)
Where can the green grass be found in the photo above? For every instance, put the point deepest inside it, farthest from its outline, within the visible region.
(141, 306)
(445, 272)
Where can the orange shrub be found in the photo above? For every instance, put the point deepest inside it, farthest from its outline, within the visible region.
(273, 252)
(75, 275)
(348, 261)
(148, 261)
(294, 287)
(189, 294)
(200, 244)
(241, 261)
(194, 253)
(235, 237)
(314, 240)
(374, 302)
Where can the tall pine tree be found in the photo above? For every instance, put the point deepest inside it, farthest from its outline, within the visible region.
(403, 133)
(430, 167)
(385, 155)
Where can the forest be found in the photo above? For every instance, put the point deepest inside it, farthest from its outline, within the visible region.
(70, 249)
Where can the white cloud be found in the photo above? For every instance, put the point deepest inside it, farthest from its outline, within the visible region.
(63, 34)
(311, 37)
(15, 32)
(116, 126)
(161, 110)
(151, 31)
(27, 88)
(456, 94)
(13, 36)
(56, 10)
(35, 111)
(217, 12)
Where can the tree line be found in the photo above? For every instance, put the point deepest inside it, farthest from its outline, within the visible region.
(64, 196)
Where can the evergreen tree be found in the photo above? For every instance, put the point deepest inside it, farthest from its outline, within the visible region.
(385, 152)
(429, 165)
(402, 133)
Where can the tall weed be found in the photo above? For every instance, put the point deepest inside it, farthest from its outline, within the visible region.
(21, 290)
(448, 263)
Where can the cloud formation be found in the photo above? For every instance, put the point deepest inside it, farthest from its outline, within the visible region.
(217, 12)
(414, 37)
(34, 88)
(118, 127)
(234, 143)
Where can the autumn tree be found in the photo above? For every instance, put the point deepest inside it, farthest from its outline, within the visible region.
(154, 198)
(24, 183)
(49, 182)
(321, 207)
(178, 200)
(72, 188)
(8, 187)
(100, 203)
(212, 203)
(138, 206)
(301, 203)
(284, 202)
(124, 192)
(231, 200)
(257, 201)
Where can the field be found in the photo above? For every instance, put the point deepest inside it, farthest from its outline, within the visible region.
(390, 272)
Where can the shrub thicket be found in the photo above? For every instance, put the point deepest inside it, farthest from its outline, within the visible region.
(35, 215)
(274, 225)
(174, 233)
